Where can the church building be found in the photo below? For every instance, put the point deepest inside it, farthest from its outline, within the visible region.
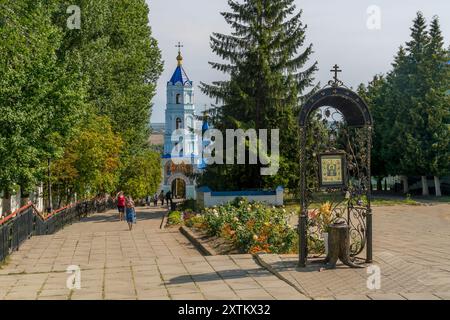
(178, 168)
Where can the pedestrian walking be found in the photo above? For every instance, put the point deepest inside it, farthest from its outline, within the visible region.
(148, 201)
(161, 197)
(169, 198)
(121, 204)
(130, 213)
(155, 199)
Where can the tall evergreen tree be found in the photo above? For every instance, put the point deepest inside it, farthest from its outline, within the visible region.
(436, 136)
(268, 76)
(411, 110)
(374, 95)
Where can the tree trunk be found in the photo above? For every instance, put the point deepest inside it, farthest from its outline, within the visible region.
(437, 186)
(379, 183)
(425, 191)
(405, 184)
(6, 203)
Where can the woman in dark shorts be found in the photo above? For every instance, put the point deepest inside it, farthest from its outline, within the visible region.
(121, 205)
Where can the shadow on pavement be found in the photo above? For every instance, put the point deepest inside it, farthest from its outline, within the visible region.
(212, 276)
(141, 213)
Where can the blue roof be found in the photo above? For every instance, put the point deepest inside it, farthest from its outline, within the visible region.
(180, 76)
(205, 126)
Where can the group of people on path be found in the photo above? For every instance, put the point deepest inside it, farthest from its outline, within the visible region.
(161, 197)
(126, 206)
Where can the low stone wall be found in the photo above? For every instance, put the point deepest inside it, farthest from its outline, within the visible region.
(208, 198)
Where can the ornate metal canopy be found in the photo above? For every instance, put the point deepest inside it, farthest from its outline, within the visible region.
(352, 106)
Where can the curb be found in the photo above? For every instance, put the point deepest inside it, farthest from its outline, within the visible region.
(269, 268)
(164, 221)
(204, 249)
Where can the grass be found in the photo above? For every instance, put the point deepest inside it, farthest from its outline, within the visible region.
(394, 202)
(293, 204)
(443, 199)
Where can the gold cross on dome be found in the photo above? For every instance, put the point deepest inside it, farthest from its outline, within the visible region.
(179, 46)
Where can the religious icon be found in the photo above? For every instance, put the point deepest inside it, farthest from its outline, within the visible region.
(332, 169)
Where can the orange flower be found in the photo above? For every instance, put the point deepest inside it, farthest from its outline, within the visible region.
(255, 249)
(250, 224)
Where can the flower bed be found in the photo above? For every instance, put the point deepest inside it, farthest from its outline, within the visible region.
(251, 227)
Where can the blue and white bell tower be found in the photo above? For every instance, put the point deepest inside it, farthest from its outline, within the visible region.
(180, 110)
(180, 114)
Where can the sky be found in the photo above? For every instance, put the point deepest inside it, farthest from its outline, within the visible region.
(361, 36)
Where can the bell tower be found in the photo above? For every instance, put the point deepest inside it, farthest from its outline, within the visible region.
(177, 168)
(180, 109)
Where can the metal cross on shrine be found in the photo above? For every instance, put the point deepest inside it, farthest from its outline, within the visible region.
(179, 46)
(335, 82)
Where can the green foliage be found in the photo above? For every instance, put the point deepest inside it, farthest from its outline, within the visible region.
(175, 217)
(411, 109)
(189, 204)
(141, 174)
(120, 60)
(194, 220)
(53, 78)
(267, 67)
(252, 227)
(91, 160)
(40, 100)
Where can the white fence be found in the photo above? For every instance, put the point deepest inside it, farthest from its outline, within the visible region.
(208, 198)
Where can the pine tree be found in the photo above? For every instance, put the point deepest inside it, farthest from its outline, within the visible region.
(374, 95)
(414, 136)
(267, 72)
(436, 136)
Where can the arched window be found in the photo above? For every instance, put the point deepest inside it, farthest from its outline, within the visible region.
(178, 123)
(178, 98)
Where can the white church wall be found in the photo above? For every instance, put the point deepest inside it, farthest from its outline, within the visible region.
(208, 198)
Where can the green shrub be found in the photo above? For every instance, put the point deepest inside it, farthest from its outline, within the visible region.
(189, 204)
(194, 220)
(175, 217)
(252, 227)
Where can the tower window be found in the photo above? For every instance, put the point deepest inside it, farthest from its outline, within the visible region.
(178, 123)
(178, 98)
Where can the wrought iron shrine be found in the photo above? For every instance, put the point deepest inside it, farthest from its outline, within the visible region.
(336, 138)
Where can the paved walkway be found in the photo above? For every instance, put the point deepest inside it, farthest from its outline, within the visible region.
(146, 263)
(411, 248)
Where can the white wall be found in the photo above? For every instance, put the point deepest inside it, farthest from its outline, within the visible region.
(36, 197)
(206, 198)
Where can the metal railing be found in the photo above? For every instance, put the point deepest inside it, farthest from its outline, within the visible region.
(28, 221)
